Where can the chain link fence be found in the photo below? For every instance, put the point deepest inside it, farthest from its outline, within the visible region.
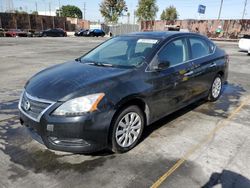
(120, 29)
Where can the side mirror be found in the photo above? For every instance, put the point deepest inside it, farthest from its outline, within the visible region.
(162, 65)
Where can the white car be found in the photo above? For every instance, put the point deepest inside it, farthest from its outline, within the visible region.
(244, 43)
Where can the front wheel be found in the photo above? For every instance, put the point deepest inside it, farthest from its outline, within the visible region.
(127, 129)
(216, 89)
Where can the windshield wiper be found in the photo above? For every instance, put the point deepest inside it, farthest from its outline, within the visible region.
(98, 63)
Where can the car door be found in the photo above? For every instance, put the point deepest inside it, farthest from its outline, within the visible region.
(203, 65)
(172, 86)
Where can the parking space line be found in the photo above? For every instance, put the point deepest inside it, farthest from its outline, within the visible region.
(10, 118)
(220, 125)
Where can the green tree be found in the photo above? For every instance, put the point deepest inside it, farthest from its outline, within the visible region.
(34, 13)
(111, 10)
(70, 11)
(170, 13)
(146, 10)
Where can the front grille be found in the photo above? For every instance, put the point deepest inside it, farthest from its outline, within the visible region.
(33, 107)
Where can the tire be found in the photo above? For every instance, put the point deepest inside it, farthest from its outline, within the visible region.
(216, 89)
(124, 135)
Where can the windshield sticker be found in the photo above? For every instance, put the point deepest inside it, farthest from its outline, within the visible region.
(147, 41)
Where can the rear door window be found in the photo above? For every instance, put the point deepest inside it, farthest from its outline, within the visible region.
(199, 48)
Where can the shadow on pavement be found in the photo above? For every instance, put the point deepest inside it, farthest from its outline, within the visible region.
(230, 97)
(227, 179)
(9, 107)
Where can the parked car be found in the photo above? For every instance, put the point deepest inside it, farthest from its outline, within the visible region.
(97, 33)
(54, 33)
(90, 33)
(2, 32)
(244, 43)
(82, 32)
(16, 33)
(105, 98)
(33, 33)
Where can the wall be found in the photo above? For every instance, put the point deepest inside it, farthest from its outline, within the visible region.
(39, 22)
(230, 28)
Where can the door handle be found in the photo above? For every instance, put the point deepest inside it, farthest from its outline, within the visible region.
(212, 65)
(189, 73)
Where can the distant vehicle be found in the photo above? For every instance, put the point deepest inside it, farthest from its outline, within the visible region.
(105, 98)
(33, 33)
(2, 32)
(244, 43)
(82, 32)
(90, 33)
(97, 33)
(54, 33)
(16, 33)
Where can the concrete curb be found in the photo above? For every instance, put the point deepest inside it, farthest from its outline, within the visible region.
(224, 39)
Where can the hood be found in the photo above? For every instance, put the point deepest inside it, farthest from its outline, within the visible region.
(61, 80)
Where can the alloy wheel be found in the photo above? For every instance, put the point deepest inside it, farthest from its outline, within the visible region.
(216, 88)
(128, 129)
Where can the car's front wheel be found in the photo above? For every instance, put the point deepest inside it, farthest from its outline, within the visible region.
(127, 129)
(216, 88)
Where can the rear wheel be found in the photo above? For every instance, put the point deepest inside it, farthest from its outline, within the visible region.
(127, 129)
(216, 88)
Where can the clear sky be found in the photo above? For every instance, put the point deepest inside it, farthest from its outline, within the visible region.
(232, 9)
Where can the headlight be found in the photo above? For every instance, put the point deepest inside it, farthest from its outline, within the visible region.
(79, 105)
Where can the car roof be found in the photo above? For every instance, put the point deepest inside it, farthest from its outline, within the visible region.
(160, 34)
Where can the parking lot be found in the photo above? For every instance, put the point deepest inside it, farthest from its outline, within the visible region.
(184, 149)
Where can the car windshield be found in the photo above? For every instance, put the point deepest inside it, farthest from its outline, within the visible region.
(121, 51)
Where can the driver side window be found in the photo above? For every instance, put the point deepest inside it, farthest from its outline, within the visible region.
(175, 52)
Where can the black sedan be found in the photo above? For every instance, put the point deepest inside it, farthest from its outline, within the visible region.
(105, 98)
(53, 33)
(82, 32)
(90, 33)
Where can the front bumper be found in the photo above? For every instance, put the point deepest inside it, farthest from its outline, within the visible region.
(85, 134)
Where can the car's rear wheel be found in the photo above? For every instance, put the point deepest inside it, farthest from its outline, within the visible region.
(216, 88)
(127, 129)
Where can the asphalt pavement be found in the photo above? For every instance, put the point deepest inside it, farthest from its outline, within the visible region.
(202, 144)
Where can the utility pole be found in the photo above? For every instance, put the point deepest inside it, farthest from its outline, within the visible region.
(36, 6)
(84, 10)
(1, 5)
(59, 2)
(50, 8)
(244, 10)
(221, 3)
